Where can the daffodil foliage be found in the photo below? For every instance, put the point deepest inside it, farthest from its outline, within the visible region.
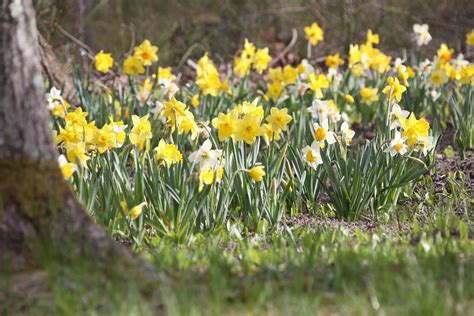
(151, 154)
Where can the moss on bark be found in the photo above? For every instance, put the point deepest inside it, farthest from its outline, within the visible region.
(37, 189)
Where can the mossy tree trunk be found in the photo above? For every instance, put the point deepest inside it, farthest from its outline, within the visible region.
(36, 203)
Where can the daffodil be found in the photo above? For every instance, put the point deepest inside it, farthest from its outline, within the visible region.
(424, 144)
(206, 177)
(394, 89)
(137, 210)
(274, 90)
(314, 34)
(205, 156)
(396, 115)
(105, 138)
(195, 101)
(311, 155)
(438, 77)
(369, 95)
(397, 145)
(77, 117)
(186, 124)
(133, 66)
(470, 38)
(146, 53)
(168, 153)
(103, 62)
(248, 128)
(261, 59)
(67, 168)
(347, 133)
(242, 65)
(279, 119)
(317, 83)
(249, 48)
(372, 38)
(76, 152)
(173, 109)
(141, 131)
(290, 74)
(413, 128)
(56, 104)
(349, 99)
(445, 53)
(422, 34)
(319, 109)
(224, 123)
(322, 133)
(333, 61)
(256, 173)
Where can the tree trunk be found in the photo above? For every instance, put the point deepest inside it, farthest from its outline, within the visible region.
(36, 203)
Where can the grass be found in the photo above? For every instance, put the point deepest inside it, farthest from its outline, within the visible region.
(422, 268)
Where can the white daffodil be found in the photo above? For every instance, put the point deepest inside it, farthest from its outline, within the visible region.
(312, 155)
(397, 145)
(205, 156)
(319, 109)
(347, 133)
(422, 35)
(322, 133)
(54, 98)
(396, 114)
(308, 69)
(424, 144)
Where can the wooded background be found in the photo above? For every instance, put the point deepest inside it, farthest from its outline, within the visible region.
(187, 28)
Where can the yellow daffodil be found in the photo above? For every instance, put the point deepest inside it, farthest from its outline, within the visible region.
(195, 101)
(224, 123)
(261, 59)
(146, 53)
(470, 38)
(141, 131)
(248, 128)
(314, 34)
(257, 173)
(279, 119)
(438, 77)
(445, 53)
(369, 95)
(103, 62)
(333, 61)
(76, 152)
(394, 89)
(105, 138)
(242, 65)
(137, 210)
(168, 153)
(274, 90)
(317, 83)
(67, 168)
(173, 109)
(133, 66)
(413, 128)
(206, 177)
(372, 38)
(249, 49)
(349, 99)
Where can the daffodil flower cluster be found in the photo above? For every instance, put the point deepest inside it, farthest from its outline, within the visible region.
(251, 57)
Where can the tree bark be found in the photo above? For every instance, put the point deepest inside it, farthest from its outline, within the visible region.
(36, 203)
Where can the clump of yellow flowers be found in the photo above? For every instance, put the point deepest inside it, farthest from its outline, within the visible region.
(258, 59)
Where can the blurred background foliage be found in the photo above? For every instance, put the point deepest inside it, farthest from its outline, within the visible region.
(188, 28)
